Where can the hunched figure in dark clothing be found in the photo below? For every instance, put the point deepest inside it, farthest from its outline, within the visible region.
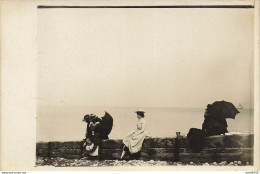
(214, 123)
(97, 129)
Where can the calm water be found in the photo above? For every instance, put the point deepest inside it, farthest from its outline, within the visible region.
(59, 123)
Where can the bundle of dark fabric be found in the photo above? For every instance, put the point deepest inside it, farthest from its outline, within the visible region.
(196, 139)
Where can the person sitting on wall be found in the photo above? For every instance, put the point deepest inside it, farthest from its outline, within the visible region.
(133, 142)
(92, 136)
(97, 130)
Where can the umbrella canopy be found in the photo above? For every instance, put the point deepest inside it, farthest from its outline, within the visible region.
(222, 109)
(107, 124)
(103, 128)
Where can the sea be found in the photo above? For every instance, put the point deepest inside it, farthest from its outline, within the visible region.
(64, 123)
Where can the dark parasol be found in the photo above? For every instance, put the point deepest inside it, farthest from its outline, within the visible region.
(223, 109)
(215, 117)
(107, 125)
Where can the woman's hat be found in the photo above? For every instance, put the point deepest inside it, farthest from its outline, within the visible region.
(140, 112)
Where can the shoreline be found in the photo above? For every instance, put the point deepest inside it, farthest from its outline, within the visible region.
(84, 162)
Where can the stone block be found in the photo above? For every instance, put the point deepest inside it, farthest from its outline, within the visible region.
(230, 141)
(73, 156)
(110, 154)
(195, 157)
(112, 144)
(159, 143)
(42, 152)
(218, 155)
(55, 153)
(167, 154)
(42, 145)
(231, 157)
(73, 151)
(146, 153)
(182, 142)
(69, 145)
(148, 143)
(182, 150)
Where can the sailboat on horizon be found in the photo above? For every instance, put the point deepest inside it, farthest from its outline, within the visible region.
(240, 106)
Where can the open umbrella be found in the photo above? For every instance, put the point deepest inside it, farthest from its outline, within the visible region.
(223, 109)
(215, 117)
(107, 125)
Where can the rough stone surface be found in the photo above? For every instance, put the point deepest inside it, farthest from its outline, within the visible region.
(218, 155)
(230, 141)
(217, 148)
(146, 153)
(111, 144)
(62, 162)
(159, 143)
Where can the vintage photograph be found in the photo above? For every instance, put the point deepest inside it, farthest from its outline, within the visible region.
(145, 86)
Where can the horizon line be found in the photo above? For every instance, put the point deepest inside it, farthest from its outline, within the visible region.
(165, 107)
(147, 6)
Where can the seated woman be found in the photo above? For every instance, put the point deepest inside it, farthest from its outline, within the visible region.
(133, 142)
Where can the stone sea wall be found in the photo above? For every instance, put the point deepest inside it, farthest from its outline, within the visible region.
(217, 148)
(221, 148)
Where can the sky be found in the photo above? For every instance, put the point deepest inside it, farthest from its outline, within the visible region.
(145, 57)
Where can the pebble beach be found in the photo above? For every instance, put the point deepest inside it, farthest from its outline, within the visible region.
(62, 162)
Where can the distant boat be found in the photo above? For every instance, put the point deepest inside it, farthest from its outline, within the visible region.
(240, 106)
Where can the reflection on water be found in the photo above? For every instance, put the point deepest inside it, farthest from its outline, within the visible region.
(64, 123)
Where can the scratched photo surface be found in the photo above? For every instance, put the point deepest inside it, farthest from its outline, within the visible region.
(169, 62)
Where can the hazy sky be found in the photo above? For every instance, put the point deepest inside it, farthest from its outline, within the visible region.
(145, 57)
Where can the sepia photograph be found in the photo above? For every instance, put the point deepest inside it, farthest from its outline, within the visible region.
(129, 85)
(145, 86)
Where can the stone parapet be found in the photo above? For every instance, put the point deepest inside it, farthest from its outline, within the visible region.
(238, 147)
